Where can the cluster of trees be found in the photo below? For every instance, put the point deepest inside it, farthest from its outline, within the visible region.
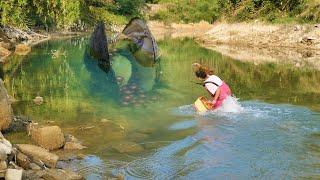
(234, 10)
(66, 14)
(69, 14)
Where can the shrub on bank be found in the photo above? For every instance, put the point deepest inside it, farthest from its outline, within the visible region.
(275, 11)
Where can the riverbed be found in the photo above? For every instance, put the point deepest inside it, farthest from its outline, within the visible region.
(275, 134)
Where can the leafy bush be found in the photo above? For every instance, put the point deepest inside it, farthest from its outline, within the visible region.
(189, 11)
(66, 14)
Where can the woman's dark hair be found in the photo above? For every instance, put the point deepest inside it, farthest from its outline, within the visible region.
(201, 74)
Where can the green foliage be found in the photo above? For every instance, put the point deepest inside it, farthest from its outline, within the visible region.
(130, 8)
(189, 11)
(101, 13)
(14, 12)
(66, 14)
(282, 11)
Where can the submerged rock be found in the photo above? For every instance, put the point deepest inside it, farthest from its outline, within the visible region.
(56, 174)
(128, 147)
(6, 113)
(22, 49)
(73, 146)
(39, 154)
(147, 130)
(72, 143)
(49, 137)
(38, 100)
(137, 137)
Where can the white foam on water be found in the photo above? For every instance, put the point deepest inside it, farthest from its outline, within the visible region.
(230, 105)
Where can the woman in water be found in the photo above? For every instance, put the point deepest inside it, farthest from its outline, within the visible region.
(218, 89)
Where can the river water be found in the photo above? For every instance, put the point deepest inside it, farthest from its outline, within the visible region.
(273, 133)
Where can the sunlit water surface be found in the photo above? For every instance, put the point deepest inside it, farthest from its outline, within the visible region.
(271, 132)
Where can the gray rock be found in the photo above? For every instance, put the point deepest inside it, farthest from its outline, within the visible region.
(18, 124)
(14, 174)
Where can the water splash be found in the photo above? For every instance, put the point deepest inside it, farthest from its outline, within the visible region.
(230, 105)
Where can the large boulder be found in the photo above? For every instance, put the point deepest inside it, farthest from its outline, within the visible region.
(49, 137)
(39, 154)
(6, 113)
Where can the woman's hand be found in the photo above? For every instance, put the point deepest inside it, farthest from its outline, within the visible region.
(210, 105)
(213, 102)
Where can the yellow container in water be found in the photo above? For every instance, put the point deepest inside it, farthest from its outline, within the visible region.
(201, 105)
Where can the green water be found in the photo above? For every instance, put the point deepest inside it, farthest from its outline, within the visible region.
(270, 138)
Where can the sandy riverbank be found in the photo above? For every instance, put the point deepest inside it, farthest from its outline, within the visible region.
(255, 42)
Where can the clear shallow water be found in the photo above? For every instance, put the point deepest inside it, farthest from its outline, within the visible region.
(267, 139)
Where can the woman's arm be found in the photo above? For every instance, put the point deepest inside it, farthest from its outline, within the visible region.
(216, 95)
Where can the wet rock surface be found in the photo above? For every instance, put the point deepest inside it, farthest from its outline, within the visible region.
(6, 113)
(39, 154)
(18, 124)
(48, 137)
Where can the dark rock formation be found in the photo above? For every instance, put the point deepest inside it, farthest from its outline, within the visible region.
(99, 47)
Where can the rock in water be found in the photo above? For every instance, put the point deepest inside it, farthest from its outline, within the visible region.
(73, 146)
(49, 137)
(22, 49)
(38, 100)
(99, 47)
(14, 174)
(127, 147)
(39, 154)
(55, 174)
(6, 113)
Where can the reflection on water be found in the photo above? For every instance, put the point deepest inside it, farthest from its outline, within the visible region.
(260, 140)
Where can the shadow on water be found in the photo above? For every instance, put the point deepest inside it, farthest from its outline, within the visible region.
(128, 82)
